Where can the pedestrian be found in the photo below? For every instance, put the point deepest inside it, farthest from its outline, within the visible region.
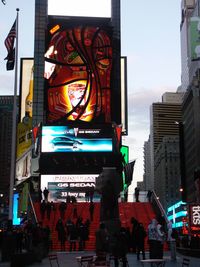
(137, 192)
(134, 223)
(62, 209)
(140, 235)
(91, 194)
(171, 238)
(160, 239)
(149, 195)
(73, 236)
(152, 238)
(91, 210)
(39, 195)
(87, 194)
(61, 233)
(46, 194)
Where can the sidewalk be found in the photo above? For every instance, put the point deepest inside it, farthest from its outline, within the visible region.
(67, 259)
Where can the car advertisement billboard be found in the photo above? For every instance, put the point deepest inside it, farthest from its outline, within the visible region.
(70, 139)
(79, 71)
(61, 186)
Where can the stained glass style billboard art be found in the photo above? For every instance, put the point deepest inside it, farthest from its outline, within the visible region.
(78, 70)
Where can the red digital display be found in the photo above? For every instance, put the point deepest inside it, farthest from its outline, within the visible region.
(78, 67)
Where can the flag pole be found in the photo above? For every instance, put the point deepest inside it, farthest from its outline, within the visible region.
(14, 128)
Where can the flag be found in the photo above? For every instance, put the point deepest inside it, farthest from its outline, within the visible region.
(9, 44)
(128, 171)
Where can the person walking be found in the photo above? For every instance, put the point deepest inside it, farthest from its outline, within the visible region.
(137, 192)
(140, 235)
(45, 194)
(171, 238)
(152, 239)
(61, 233)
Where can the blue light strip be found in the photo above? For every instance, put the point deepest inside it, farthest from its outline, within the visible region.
(175, 206)
(177, 215)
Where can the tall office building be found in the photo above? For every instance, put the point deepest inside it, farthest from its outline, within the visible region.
(6, 108)
(163, 118)
(187, 7)
(167, 171)
(191, 105)
(147, 166)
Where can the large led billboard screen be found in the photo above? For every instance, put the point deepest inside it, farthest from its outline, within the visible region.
(70, 139)
(61, 186)
(79, 71)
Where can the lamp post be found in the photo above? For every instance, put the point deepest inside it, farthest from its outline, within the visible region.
(182, 160)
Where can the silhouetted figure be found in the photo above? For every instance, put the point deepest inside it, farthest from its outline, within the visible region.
(91, 194)
(46, 194)
(73, 236)
(39, 195)
(134, 223)
(140, 235)
(62, 209)
(61, 233)
(149, 195)
(87, 196)
(137, 192)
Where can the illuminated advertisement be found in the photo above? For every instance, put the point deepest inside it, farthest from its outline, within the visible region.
(26, 88)
(69, 139)
(194, 27)
(177, 214)
(24, 137)
(16, 219)
(61, 186)
(23, 167)
(78, 72)
(194, 218)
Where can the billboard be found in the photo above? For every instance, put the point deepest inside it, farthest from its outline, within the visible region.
(124, 108)
(194, 218)
(194, 30)
(79, 139)
(79, 71)
(23, 167)
(80, 8)
(26, 87)
(24, 137)
(61, 186)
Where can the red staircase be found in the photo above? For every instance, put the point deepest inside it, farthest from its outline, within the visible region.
(141, 211)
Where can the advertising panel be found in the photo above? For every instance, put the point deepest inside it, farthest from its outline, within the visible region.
(24, 137)
(78, 71)
(194, 218)
(23, 167)
(81, 8)
(124, 110)
(26, 87)
(69, 139)
(61, 186)
(194, 30)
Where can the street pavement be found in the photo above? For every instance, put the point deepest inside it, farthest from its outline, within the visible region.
(68, 259)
